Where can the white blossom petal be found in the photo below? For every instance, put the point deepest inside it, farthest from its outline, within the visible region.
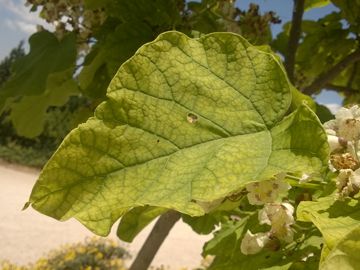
(267, 191)
(264, 217)
(333, 142)
(346, 124)
(330, 126)
(349, 129)
(355, 111)
(348, 183)
(280, 217)
(253, 243)
(304, 178)
(355, 178)
(343, 113)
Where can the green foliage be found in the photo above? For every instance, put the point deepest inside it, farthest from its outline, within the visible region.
(336, 220)
(90, 255)
(57, 92)
(47, 55)
(190, 124)
(115, 30)
(226, 246)
(57, 124)
(5, 65)
(171, 74)
(137, 219)
(35, 155)
(43, 77)
(345, 253)
(322, 47)
(310, 4)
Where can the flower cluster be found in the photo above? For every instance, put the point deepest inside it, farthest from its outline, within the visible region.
(69, 15)
(277, 214)
(343, 136)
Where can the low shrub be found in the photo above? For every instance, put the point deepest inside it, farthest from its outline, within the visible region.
(93, 254)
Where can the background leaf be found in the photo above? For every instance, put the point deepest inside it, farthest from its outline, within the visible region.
(28, 119)
(137, 219)
(47, 55)
(310, 4)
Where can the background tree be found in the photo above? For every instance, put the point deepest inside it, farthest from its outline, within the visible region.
(93, 38)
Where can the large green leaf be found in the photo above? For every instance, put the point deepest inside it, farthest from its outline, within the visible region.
(345, 255)
(28, 114)
(350, 10)
(47, 55)
(335, 219)
(325, 43)
(186, 120)
(310, 4)
(137, 219)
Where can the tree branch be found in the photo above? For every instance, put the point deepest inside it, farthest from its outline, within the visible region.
(353, 75)
(339, 88)
(294, 38)
(156, 237)
(329, 75)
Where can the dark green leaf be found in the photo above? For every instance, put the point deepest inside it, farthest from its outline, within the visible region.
(47, 55)
(137, 219)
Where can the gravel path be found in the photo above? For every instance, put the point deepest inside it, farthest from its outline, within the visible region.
(27, 235)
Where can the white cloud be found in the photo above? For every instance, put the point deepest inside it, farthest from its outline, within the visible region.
(10, 24)
(333, 107)
(21, 17)
(26, 27)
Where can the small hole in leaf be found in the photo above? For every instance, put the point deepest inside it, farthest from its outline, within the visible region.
(192, 118)
(158, 141)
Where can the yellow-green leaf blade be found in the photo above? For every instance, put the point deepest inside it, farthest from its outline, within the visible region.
(186, 120)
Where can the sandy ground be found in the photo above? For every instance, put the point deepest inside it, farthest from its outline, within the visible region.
(27, 235)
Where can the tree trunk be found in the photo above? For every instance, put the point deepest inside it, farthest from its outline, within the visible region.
(156, 237)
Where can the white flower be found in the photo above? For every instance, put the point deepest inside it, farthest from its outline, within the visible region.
(253, 243)
(348, 183)
(331, 167)
(334, 143)
(304, 178)
(267, 191)
(307, 256)
(346, 124)
(351, 149)
(280, 218)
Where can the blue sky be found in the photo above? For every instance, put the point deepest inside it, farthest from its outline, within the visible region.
(17, 23)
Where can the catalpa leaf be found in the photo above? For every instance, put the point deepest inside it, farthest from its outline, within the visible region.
(137, 219)
(335, 219)
(310, 4)
(47, 55)
(28, 119)
(186, 120)
(345, 255)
